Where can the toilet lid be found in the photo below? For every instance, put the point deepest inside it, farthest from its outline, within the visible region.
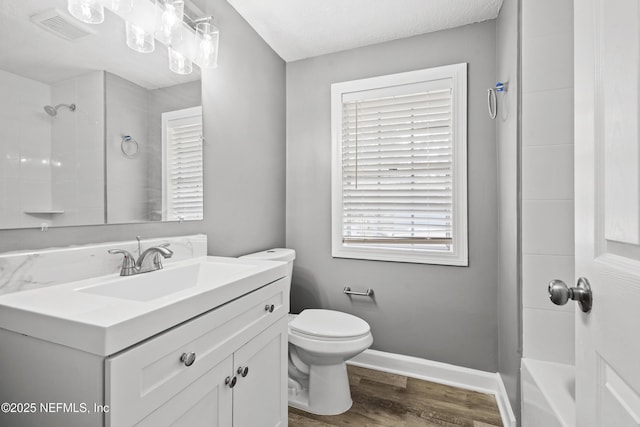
(329, 323)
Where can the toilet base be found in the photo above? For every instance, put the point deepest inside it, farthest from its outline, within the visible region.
(328, 392)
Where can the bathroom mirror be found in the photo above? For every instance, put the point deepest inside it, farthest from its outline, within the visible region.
(92, 132)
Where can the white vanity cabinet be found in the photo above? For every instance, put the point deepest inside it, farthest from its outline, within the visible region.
(150, 385)
(238, 378)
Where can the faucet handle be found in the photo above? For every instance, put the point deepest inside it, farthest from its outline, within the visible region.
(128, 262)
(157, 259)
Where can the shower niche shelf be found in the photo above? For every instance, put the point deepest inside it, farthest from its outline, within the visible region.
(44, 211)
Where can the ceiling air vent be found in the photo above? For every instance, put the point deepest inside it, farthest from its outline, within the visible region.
(61, 24)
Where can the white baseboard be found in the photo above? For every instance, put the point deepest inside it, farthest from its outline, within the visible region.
(443, 373)
(504, 404)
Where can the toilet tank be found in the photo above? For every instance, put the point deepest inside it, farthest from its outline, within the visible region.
(277, 254)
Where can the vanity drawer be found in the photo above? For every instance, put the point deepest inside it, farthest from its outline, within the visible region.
(143, 378)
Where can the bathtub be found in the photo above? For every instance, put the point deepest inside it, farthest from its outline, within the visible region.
(548, 394)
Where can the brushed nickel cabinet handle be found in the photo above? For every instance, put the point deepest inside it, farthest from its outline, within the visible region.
(188, 358)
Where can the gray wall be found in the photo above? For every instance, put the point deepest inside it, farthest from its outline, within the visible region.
(244, 117)
(439, 313)
(127, 113)
(508, 295)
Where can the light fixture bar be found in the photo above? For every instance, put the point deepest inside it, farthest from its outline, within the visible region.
(194, 22)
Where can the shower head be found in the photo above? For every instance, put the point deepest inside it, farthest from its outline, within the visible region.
(53, 111)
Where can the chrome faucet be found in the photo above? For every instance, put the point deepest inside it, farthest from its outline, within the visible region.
(130, 266)
(143, 266)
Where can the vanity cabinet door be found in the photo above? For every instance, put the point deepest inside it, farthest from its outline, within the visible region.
(205, 403)
(260, 397)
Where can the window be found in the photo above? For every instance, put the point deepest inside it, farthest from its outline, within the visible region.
(182, 165)
(399, 167)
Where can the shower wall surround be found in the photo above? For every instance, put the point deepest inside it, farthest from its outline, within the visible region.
(25, 270)
(77, 155)
(20, 95)
(547, 177)
(51, 164)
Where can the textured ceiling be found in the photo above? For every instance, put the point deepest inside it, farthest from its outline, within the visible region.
(298, 29)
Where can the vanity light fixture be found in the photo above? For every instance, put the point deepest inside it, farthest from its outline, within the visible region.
(169, 18)
(207, 38)
(119, 6)
(139, 40)
(178, 63)
(88, 11)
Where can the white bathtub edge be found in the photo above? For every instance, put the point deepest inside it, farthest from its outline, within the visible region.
(551, 378)
(442, 373)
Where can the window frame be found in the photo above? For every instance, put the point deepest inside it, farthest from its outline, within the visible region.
(166, 119)
(458, 256)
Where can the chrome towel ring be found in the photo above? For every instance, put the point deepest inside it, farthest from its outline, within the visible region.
(492, 98)
(129, 147)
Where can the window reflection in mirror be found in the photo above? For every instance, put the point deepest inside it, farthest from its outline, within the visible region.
(82, 138)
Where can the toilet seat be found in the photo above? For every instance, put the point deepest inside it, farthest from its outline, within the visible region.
(308, 337)
(330, 325)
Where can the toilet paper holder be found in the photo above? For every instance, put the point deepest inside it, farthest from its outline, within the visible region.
(368, 293)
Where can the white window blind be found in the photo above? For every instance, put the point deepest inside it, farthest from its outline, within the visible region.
(397, 168)
(183, 177)
(399, 180)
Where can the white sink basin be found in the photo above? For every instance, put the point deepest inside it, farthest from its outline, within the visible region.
(105, 315)
(161, 283)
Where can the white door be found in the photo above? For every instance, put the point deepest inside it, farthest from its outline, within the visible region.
(607, 210)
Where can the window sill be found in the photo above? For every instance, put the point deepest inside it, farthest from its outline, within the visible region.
(399, 255)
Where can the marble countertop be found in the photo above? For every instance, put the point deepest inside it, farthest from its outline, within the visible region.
(72, 315)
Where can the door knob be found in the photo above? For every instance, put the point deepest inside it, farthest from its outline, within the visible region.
(560, 293)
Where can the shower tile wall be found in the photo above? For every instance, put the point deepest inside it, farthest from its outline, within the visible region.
(51, 163)
(77, 159)
(25, 149)
(547, 177)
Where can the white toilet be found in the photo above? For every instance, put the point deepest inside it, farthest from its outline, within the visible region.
(320, 342)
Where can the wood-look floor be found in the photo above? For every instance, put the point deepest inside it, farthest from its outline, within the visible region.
(383, 399)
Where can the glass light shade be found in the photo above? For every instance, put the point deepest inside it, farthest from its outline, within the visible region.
(138, 40)
(178, 63)
(121, 6)
(89, 11)
(169, 15)
(207, 37)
